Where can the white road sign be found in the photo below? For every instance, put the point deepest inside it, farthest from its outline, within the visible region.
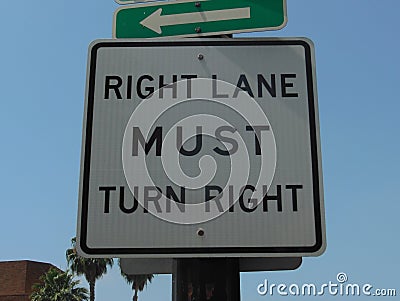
(201, 147)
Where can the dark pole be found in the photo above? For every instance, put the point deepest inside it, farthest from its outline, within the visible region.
(206, 279)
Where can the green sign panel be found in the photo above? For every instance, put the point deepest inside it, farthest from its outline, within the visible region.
(198, 18)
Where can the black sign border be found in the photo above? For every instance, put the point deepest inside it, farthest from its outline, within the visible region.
(317, 193)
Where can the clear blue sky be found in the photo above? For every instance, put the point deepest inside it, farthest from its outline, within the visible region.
(42, 80)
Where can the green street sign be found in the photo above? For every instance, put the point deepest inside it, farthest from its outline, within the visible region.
(198, 18)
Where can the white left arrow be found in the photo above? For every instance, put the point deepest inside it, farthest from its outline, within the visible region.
(155, 21)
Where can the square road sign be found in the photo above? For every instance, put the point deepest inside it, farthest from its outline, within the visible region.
(201, 147)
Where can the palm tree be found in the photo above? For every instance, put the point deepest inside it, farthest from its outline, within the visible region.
(91, 268)
(138, 282)
(58, 286)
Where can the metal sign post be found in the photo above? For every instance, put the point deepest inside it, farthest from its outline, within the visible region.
(206, 279)
(201, 157)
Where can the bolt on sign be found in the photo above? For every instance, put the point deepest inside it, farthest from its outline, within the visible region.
(198, 18)
(201, 147)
